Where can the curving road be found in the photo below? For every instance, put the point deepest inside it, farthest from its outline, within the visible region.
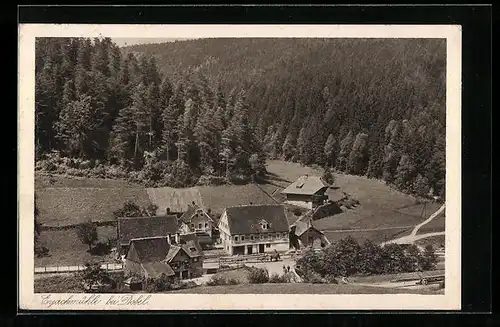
(410, 239)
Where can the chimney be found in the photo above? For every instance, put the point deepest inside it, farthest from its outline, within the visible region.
(168, 211)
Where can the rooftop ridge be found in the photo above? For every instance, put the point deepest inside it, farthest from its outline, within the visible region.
(148, 238)
(147, 217)
(256, 205)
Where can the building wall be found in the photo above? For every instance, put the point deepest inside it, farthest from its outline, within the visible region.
(183, 262)
(311, 237)
(204, 221)
(299, 203)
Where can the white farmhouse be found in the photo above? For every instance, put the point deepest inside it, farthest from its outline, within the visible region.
(251, 229)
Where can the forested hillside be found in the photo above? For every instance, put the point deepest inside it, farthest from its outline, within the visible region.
(197, 111)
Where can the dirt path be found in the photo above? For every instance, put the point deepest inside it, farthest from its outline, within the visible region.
(410, 239)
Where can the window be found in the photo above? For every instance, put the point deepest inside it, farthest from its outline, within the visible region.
(192, 225)
(268, 245)
(236, 238)
(206, 225)
(261, 236)
(199, 226)
(243, 237)
(192, 249)
(251, 237)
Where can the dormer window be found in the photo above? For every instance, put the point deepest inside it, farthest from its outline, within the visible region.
(264, 225)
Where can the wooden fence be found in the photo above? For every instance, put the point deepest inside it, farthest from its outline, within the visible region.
(68, 269)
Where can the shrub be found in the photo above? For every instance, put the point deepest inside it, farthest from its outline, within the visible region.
(233, 281)
(328, 177)
(239, 179)
(279, 279)
(314, 278)
(347, 258)
(258, 275)
(216, 280)
(330, 279)
(161, 284)
(207, 180)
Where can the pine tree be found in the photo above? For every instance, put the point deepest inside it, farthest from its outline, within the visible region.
(289, 148)
(358, 157)
(75, 125)
(405, 173)
(330, 150)
(345, 150)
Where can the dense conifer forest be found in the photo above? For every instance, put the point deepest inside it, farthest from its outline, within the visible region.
(211, 111)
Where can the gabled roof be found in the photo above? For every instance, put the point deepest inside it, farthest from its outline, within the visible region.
(192, 248)
(192, 211)
(307, 185)
(141, 227)
(193, 239)
(303, 224)
(247, 219)
(150, 249)
(174, 249)
(156, 269)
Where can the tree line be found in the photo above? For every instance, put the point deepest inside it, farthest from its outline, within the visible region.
(194, 110)
(94, 103)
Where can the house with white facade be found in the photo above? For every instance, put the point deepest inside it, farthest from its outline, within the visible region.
(251, 229)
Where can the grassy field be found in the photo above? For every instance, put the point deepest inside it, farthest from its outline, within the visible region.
(65, 248)
(58, 284)
(43, 180)
(376, 236)
(61, 206)
(380, 205)
(435, 225)
(299, 288)
(392, 277)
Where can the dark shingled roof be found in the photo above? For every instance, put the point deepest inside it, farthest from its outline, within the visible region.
(150, 249)
(303, 224)
(193, 239)
(130, 228)
(247, 219)
(156, 269)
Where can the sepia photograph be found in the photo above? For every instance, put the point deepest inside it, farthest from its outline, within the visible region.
(200, 167)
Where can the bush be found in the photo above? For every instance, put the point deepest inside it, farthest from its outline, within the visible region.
(217, 280)
(278, 279)
(314, 278)
(347, 258)
(221, 280)
(258, 275)
(239, 179)
(233, 281)
(208, 180)
(328, 177)
(161, 284)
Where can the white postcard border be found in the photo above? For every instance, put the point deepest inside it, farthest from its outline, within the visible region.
(451, 300)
